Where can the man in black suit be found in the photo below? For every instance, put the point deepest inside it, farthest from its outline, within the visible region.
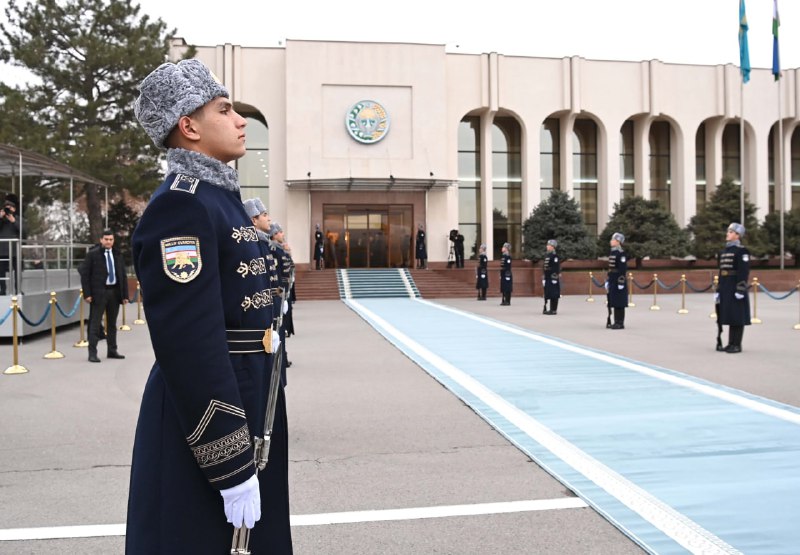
(105, 286)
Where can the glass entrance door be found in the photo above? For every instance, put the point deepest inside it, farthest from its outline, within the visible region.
(368, 236)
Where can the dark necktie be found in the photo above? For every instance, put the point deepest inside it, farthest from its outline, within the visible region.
(112, 277)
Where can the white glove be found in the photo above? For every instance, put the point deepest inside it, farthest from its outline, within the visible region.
(738, 296)
(554, 281)
(285, 307)
(276, 341)
(542, 283)
(716, 297)
(243, 503)
(606, 286)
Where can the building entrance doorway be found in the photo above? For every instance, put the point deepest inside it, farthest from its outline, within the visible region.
(367, 236)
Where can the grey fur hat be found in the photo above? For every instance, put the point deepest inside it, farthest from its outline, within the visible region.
(254, 207)
(507, 246)
(172, 91)
(275, 228)
(737, 228)
(553, 242)
(618, 237)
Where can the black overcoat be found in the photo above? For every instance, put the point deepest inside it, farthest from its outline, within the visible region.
(734, 272)
(482, 273)
(552, 283)
(617, 282)
(506, 277)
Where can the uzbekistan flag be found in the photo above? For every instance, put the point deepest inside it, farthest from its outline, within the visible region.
(744, 51)
(776, 57)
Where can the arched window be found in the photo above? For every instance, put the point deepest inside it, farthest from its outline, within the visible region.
(660, 180)
(253, 167)
(469, 183)
(731, 163)
(626, 176)
(550, 157)
(584, 170)
(507, 185)
(700, 167)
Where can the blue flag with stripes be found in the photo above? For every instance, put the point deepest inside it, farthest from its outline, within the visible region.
(744, 51)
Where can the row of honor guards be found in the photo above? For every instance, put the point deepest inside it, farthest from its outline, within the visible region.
(731, 298)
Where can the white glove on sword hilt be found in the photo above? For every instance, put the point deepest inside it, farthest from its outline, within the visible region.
(243, 503)
(276, 341)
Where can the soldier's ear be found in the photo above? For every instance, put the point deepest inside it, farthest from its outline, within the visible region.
(188, 129)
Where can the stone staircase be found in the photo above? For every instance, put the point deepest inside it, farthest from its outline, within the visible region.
(446, 283)
(376, 283)
(316, 285)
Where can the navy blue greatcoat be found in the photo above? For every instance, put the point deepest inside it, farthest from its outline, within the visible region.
(203, 271)
(734, 271)
(506, 277)
(552, 285)
(617, 282)
(482, 274)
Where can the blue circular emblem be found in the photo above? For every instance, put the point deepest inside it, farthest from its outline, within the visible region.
(367, 121)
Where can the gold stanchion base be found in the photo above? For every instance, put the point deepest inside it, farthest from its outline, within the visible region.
(138, 322)
(683, 311)
(631, 305)
(124, 327)
(755, 320)
(590, 300)
(15, 369)
(81, 343)
(713, 315)
(655, 307)
(796, 327)
(54, 354)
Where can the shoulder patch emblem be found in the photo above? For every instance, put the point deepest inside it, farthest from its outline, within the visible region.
(181, 258)
(184, 183)
(746, 257)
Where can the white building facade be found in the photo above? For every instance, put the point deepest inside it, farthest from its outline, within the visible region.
(372, 140)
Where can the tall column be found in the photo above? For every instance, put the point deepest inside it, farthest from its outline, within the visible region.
(487, 203)
(714, 129)
(682, 169)
(641, 157)
(565, 152)
(608, 178)
(756, 166)
(531, 170)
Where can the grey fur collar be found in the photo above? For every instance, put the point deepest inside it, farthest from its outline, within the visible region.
(263, 236)
(203, 167)
(736, 243)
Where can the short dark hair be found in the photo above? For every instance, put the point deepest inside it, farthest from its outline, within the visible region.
(107, 231)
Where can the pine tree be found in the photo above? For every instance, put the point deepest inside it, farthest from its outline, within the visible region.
(558, 218)
(88, 57)
(791, 232)
(708, 226)
(649, 230)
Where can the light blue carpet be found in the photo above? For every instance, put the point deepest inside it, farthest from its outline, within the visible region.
(679, 464)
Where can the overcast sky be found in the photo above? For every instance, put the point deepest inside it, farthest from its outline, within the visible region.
(675, 31)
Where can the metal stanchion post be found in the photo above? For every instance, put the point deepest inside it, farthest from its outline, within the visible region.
(715, 284)
(683, 309)
(15, 368)
(797, 325)
(138, 320)
(52, 302)
(755, 319)
(82, 341)
(124, 326)
(655, 293)
(630, 289)
(590, 299)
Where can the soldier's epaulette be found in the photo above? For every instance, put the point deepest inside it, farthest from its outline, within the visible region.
(184, 183)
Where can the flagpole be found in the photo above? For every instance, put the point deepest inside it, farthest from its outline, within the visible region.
(781, 199)
(741, 154)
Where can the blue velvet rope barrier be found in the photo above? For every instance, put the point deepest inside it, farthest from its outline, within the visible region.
(667, 288)
(600, 284)
(34, 324)
(774, 296)
(696, 290)
(5, 316)
(74, 308)
(636, 283)
(135, 298)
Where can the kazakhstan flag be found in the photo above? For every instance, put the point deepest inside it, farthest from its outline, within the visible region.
(744, 51)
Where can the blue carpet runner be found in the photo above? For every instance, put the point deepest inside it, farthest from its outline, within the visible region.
(678, 464)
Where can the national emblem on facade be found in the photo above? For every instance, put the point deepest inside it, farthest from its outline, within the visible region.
(367, 121)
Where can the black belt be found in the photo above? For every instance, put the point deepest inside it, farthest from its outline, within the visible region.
(725, 273)
(111, 286)
(242, 342)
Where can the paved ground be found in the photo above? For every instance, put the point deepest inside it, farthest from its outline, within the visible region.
(369, 430)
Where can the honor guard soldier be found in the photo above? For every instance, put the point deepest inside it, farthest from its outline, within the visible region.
(459, 250)
(506, 278)
(319, 248)
(616, 284)
(482, 275)
(206, 290)
(733, 302)
(284, 266)
(551, 281)
(422, 251)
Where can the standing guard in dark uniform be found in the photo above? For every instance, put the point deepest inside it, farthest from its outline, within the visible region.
(733, 302)
(551, 280)
(319, 248)
(506, 278)
(205, 285)
(422, 251)
(616, 284)
(482, 274)
(459, 248)
(284, 267)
